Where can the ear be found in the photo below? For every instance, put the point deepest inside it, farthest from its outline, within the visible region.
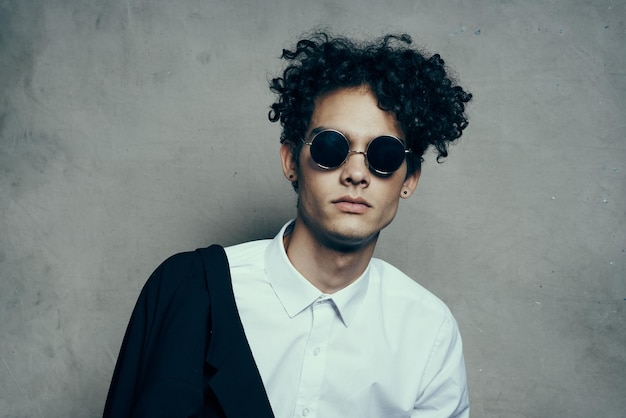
(410, 183)
(290, 168)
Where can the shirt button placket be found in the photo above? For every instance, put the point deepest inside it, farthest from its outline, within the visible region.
(313, 366)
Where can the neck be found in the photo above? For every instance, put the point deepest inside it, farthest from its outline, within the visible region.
(328, 267)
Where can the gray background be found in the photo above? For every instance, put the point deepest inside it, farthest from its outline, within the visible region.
(133, 130)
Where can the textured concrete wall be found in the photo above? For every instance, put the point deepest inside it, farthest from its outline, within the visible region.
(133, 130)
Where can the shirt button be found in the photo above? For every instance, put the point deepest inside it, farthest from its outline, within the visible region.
(305, 412)
(316, 351)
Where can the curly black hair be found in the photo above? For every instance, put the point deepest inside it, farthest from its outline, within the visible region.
(416, 88)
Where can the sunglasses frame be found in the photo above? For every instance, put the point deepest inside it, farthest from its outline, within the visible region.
(377, 171)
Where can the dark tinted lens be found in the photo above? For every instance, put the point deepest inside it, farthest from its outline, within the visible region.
(385, 154)
(329, 149)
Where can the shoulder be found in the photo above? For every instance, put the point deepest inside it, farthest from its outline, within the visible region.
(180, 263)
(398, 289)
(179, 267)
(246, 254)
(178, 276)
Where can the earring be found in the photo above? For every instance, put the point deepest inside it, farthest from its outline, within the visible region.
(405, 192)
(290, 176)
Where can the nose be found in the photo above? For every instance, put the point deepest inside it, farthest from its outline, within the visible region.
(354, 170)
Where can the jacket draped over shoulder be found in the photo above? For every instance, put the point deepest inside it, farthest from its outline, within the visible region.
(184, 353)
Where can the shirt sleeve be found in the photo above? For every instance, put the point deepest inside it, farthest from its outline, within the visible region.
(445, 385)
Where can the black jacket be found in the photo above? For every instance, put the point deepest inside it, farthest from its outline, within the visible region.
(185, 353)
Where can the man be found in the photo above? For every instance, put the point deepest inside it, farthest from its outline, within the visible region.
(332, 331)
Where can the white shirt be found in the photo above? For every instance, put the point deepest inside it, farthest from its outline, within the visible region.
(381, 347)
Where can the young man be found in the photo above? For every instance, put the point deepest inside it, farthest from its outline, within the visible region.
(332, 331)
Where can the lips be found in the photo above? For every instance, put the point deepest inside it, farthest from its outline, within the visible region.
(352, 204)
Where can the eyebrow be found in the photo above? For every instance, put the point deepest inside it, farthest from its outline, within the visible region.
(320, 129)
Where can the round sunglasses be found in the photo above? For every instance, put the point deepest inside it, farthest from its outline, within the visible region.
(331, 149)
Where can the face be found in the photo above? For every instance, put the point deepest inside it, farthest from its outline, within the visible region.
(349, 205)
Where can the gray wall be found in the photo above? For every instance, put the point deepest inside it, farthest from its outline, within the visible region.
(133, 130)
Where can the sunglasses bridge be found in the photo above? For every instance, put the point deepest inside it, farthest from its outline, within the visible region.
(363, 153)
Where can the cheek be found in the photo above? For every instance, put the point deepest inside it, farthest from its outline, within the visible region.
(392, 203)
(390, 195)
(314, 178)
(310, 188)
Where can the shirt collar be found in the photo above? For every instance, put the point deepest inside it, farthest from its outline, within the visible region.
(296, 293)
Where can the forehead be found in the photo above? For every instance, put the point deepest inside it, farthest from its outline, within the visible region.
(355, 112)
